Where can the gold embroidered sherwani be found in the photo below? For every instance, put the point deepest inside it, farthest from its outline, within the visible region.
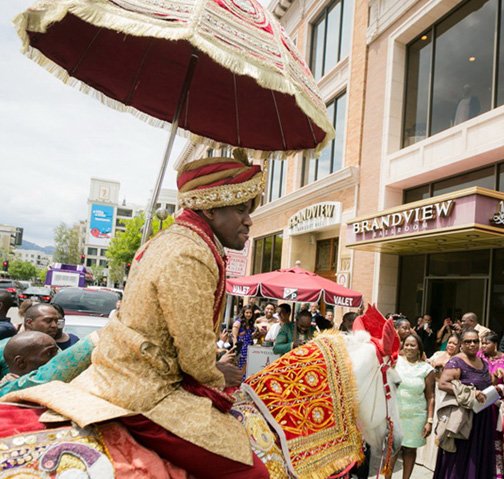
(164, 327)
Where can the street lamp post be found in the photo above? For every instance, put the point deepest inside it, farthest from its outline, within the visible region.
(161, 214)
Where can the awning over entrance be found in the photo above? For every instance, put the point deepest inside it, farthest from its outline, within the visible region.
(468, 219)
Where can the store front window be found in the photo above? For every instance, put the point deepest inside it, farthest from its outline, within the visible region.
(452, 70)
(268, 253)
(331, 37)
(491, 177)
(331, 158)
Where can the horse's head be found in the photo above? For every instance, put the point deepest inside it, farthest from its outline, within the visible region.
(376, 384)
(373, 347)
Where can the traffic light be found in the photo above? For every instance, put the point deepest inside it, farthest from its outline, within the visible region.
(128, 266)
(82, 258)
(5, 265)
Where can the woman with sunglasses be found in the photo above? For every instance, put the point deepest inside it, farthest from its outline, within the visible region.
(474, 457)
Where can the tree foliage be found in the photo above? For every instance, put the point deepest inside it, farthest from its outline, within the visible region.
(98, 273)
(124, 245)
(66, 239)
(23, 270)
(41, 275)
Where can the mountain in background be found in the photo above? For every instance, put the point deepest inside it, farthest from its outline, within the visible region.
(34, 246)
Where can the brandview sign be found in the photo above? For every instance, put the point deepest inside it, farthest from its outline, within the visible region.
(412, 219)
(315, 217)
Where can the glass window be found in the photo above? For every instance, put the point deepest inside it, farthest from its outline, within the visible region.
(103, 263)
(346, 28)
(276, 179)
(463, 65)
(103, 252)
(459, 263)
(331, 33)
(129, 213)
(497, 290)
(500, 178)
(450, 79)
(332, 36)
(318, 36)
(90, 262)
(331, 158)
(277, 252)
(417, 90)
(327, 257)
(417, 194)
(268, 253)
(500, 66)
(92, 251)
(258, 255)
(484, 178)
(339, 140)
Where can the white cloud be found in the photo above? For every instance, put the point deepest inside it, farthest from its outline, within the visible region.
(54, 139)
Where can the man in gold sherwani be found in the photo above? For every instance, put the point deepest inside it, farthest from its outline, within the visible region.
(155, 365)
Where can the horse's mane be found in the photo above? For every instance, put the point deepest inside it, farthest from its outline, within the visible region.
(352, 339)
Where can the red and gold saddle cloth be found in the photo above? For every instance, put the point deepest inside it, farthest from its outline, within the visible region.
(309, 398)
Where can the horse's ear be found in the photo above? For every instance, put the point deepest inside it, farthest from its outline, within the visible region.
(371, 321)
(390, 339)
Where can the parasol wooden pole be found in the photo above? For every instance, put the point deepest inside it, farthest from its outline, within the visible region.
(169, 147)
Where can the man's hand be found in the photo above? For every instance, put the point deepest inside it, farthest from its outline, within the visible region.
(232, 374)
(228, 356)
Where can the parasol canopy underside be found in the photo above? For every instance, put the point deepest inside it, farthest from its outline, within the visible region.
(144, 74)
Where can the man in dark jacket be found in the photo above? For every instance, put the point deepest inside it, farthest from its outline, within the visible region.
(7, 329)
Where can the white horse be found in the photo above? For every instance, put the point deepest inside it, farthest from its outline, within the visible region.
(375, 382)
(375, 404)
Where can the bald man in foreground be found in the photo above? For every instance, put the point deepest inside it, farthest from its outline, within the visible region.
(27, 351)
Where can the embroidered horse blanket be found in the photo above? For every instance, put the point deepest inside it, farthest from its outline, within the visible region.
(309, 398)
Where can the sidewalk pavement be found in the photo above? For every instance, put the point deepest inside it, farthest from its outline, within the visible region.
(419, 472)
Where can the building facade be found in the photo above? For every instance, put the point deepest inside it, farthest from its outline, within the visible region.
(427, 236)
(10, 237)
(106, 215)
(35, 257)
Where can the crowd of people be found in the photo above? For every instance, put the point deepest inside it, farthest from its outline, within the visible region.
(273, 326)
(26, 348)
(449, 422)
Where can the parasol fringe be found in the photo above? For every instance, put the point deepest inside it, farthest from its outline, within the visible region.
(108, 16)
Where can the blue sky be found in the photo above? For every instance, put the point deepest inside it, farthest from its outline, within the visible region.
(54, 139)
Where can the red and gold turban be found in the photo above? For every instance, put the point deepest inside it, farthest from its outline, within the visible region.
(216, 182)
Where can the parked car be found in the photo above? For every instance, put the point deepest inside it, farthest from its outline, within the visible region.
(82, 326)
(36, 293)
(119, 292)
(86, 302)
(11, 286)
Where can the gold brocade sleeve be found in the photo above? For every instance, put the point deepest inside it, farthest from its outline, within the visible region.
(186, 296)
